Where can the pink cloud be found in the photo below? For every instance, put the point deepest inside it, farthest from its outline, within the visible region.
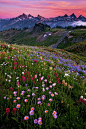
(8, 2)
(13, 8)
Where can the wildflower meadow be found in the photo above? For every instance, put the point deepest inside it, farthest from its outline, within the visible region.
(41, 89)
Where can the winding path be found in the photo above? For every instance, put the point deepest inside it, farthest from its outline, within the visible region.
(59, 41)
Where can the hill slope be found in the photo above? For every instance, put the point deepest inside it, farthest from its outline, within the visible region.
(79, 49)
(73, 37)
(38, 35)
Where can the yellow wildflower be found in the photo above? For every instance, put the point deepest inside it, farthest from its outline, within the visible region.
(65, 84)
(50, 68)
(41, 57)
(63, 81)
(10, 97)
(61, 101)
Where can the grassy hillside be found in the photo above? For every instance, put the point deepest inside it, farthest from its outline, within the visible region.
(28, 38)
(79, 49)
(42, 88)
(73, 37)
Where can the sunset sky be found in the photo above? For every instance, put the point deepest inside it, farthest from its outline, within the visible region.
(45, 8)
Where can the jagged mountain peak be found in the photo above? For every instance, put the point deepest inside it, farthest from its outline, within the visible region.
(73, 15)
(40, 17)
(23, 16)
(29, 15)
(81, 16)
(29, 21)
(65, 15)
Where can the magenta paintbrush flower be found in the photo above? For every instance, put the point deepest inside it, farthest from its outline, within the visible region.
(11, 89)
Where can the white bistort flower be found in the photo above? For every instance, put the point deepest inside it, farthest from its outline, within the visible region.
(22, 72)
(66, 75)
(81, 97)
(9, 46)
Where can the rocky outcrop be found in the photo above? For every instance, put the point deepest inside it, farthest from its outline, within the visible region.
(44, 36)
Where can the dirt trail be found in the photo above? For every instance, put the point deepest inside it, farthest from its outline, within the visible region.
(60, 40)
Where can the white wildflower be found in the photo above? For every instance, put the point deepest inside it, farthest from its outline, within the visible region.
(81, 97)
(66, 75)
(22, 72)
(17, 77)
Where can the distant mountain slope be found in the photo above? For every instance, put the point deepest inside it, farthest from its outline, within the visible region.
(29, 21)
(38, 35)
(43, 35)
(79, 49)
(73, 37)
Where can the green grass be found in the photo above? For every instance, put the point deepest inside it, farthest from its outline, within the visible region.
(49, 41)
(1, 35)
(66, 44)
(54, 30)
(32, 41)
(24, 38)
(78, 47)
(80, 30)
(78, 33)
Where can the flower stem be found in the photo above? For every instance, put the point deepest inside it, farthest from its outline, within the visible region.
(27, 124)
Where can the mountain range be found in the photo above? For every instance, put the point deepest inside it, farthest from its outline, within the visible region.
(29, 21)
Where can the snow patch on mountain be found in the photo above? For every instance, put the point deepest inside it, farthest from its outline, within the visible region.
(45, 35)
